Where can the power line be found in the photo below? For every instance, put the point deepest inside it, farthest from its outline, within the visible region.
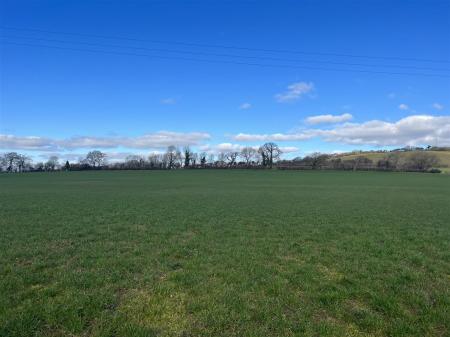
(230, 62)
(225, 55)
(227, 46)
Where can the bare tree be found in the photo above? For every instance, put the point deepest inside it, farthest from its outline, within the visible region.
(22, 162)
(270, 152)
(231, 157)
(51, 164)
(9, 160)
(358, 163)
(211, 158)
(390, 162)
(421, 161)
(179, 159)
(155, 160)
(317, 160)
(134, 162)
(40, 166)
(248, 154)
(171, 156)
(221, 159)
(96, 158)
(194, 158)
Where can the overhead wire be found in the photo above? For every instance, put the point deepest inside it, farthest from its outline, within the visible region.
(227, 46)
(225, 55)
(229, 62)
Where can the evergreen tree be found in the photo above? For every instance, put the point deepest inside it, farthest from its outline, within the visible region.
(187, 156)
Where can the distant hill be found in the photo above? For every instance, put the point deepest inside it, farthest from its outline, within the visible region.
(443, 156)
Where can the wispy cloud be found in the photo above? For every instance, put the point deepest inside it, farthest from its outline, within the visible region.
(438, 106)
(403, 106)
(329, 119)
(245, 106)
(295, 91)
(168, 101)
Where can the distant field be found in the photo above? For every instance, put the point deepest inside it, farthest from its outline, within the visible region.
(224, 253)
(443, 156)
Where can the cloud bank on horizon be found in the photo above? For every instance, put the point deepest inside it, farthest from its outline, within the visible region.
(414, 130)
(157, 140)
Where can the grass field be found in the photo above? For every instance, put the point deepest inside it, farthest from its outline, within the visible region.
(224, 253)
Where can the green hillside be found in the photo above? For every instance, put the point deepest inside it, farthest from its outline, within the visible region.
(443, 156)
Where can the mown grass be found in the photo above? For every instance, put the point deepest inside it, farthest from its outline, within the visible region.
(224, 253)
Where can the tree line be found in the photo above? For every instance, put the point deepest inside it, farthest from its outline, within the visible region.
(264, 156)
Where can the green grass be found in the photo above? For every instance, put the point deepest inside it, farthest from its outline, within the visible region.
(224, 253)
(445, 170)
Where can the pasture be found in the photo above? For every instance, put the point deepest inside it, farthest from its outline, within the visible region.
(224, 253)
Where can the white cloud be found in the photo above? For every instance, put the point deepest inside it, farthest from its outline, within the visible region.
(438, 106)
(159, 139)
(227, 147)
(413, 130)
(295, 91)
(329, 119)
(27, 143)
(222, 147)
(403, 107)
(61, 156)
(168, 101)
(274, 137)
(289, 149)
(245, 106)
(166, 138)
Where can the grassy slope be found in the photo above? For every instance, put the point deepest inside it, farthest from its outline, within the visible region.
(443, 156)
(224, 253)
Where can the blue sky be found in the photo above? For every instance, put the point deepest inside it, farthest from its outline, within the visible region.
(134, 76)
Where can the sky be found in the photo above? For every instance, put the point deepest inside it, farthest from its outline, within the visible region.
(136, 76)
